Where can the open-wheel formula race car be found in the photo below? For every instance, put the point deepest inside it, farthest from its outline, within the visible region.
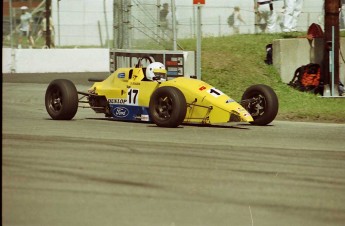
(145, 94)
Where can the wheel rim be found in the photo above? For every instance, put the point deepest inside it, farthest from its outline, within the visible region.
(55, 100)
(256, 107)
(164, 108)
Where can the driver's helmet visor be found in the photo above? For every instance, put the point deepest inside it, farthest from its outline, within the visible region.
(160, 74)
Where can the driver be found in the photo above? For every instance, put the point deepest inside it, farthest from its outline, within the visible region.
(156, 72)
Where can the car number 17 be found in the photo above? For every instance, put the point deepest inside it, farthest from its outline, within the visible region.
(132, 96)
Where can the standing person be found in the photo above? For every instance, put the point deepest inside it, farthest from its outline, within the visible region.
(259, 21)
(293, 9)
(280, 18)
(163, 16)
(166, 22)
(267, 15)
(235, 20)
(43, 30)
(25, 27)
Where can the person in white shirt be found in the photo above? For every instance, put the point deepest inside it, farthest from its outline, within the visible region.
(25, 27)
(237, 20)
(293, 9)
(267, 15)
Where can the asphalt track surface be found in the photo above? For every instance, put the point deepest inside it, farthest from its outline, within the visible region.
(92, 171)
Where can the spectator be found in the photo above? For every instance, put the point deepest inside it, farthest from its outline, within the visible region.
(163, 16)
(25, 27)
(43, 30)
(280, 18)
(235, 20)
(267, 15)
(259, 22)
(166, 24)
(293, 9)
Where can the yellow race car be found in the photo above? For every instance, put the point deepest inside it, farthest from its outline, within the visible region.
(146, 94)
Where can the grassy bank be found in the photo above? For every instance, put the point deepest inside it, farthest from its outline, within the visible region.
(235, 62)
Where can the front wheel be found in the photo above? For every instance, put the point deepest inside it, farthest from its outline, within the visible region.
(168, 107)
(261, 102)
(61, 99)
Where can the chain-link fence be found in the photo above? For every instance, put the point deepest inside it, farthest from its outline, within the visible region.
(136, 24)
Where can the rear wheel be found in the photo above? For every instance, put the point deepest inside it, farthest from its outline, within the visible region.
(262, 103)
(61, 99)
(168, 107)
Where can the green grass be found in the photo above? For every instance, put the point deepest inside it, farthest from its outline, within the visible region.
(233, 63)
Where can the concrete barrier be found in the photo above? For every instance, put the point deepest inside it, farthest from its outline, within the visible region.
(289, 54)
(54, 60)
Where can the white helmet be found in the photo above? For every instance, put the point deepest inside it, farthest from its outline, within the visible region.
(156, 72)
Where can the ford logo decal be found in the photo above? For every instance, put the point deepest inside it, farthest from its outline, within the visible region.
(120, 112)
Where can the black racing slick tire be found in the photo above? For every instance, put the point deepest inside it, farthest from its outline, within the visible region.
(167, 107)
(262, 103)
(61, 99)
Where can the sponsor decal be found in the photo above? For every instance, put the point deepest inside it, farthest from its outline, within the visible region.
(230, 101)
(145, 118)
(202, 88)
(120, 112)
(135, 83)
(117, 101)
(242, 110)
(121, 75)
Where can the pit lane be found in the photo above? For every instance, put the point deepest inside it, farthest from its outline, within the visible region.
(92, 171)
